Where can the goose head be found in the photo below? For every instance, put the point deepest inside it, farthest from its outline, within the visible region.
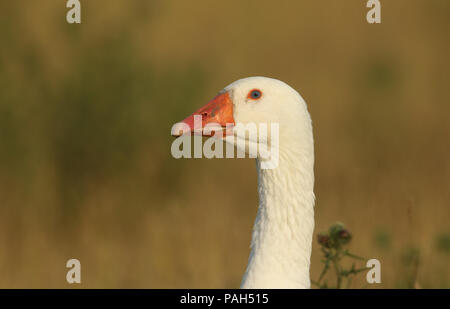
(272, 109)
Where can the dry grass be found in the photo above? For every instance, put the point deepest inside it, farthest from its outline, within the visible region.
(85, 117)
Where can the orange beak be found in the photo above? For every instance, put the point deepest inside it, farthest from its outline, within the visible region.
(218, 111)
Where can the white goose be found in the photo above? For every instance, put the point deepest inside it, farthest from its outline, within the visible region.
(283, 229)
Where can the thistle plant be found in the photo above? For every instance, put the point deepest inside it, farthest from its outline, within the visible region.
(332, 245)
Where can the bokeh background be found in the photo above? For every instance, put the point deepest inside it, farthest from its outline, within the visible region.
(85, 118)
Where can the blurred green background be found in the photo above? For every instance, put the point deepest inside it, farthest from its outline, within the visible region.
(85, 117)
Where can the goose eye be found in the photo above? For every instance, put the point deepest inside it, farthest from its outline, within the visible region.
(255, 94)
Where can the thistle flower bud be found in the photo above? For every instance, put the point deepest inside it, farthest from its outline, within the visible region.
(335, 229)
(323, 239)
(344, 236)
